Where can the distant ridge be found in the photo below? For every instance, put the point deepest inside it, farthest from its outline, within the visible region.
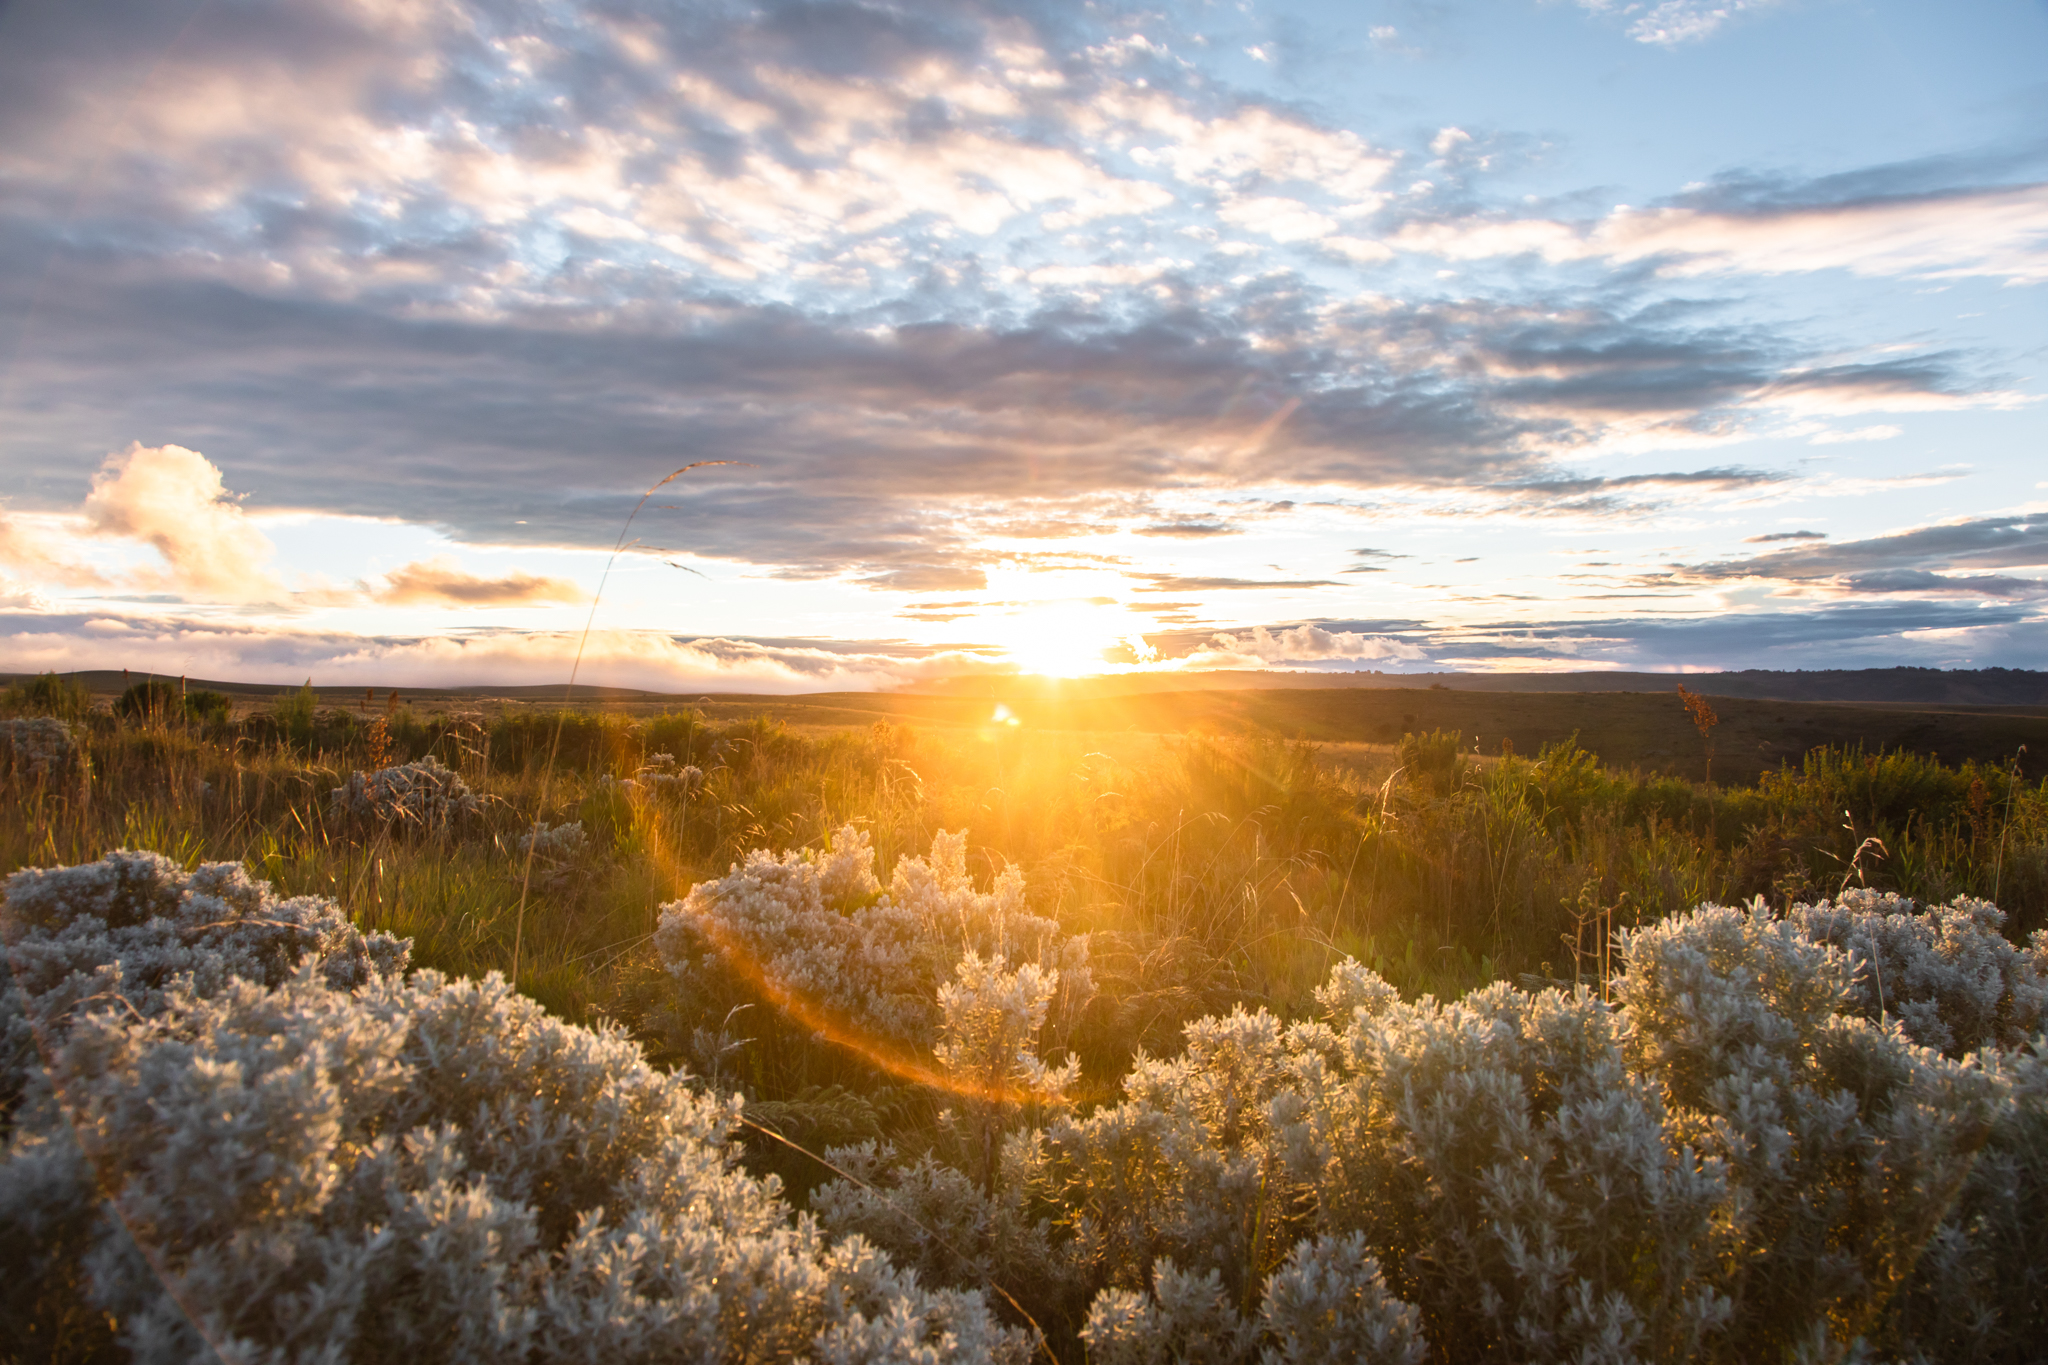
(1912, 686)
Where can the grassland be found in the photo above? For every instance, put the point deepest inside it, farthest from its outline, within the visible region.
(1217, 848)
(1221, 846)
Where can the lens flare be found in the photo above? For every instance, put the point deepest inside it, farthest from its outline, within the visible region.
(824, 1022)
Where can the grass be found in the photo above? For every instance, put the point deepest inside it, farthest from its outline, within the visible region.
(1211, 868)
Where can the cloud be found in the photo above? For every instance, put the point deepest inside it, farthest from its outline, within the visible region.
(650, 660)
(867, 445)
(1299, 644)
(1924, 559)
(929, 578)
(1673, 23)
(174, 500)
(1074, 275)
(26, 549)
(1366, 555)
(1167, 582)
(1876, 433)
(494, 268)
(1906, 384)
(439, 582)
(503, 264)
(1784, 535)
(1921, 582)
(1282, 219)
(1189, 529)
(1719, 479)
(883, 450)
(1999, 231)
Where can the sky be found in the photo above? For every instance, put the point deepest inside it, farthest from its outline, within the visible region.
(346, 339)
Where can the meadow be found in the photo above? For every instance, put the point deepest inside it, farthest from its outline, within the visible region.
(1212, 877)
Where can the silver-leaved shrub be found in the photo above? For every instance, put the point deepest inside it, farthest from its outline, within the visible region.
(37, 748)
(123, 932)
(557, 844)
(235, 1126)
(815, 933)
(1950, 978)
(419, 796)
(243, 1134)
(1743, 1157)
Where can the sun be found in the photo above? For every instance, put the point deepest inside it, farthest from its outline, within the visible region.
(1065, 639)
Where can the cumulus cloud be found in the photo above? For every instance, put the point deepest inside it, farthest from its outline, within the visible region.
(1261, 647)
(29, 550)
(174, 500)
(440, 582)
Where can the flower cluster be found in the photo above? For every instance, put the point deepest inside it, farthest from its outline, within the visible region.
(815, 932)
(39, 747)
(256, 1168)
(424, 795)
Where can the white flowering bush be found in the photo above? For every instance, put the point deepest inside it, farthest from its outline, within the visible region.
(126, 931)
(556, 844)
(278, 1170)
(1953, 981)
(425, 795)
(951, 1225)
(663, 780)
(814, 933)
(1327, 1304)
(233, 1127)
(988, 1031)
(37, 748)
(1732, 1163)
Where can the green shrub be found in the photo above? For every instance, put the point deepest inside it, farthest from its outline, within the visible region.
(49, 695)
(293, 714)
(1433, 764)
(205, 704)
(154, 700)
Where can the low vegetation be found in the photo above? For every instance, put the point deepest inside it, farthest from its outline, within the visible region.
(1143, 1050)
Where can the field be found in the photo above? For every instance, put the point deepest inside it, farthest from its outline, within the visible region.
(1235, 841)
(1190, 853)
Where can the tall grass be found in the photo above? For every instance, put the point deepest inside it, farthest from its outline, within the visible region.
(1208, 870)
